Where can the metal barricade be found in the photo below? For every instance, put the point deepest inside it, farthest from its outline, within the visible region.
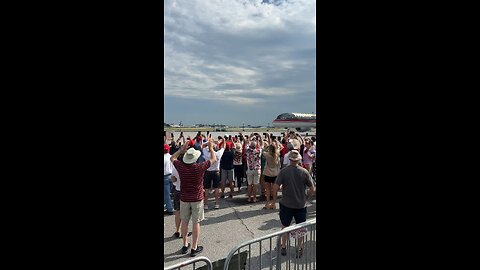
(192, 262)
(269, 255)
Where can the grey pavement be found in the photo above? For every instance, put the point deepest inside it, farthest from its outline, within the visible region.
(223, 229)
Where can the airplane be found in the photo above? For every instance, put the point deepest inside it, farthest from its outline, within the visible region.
(176, 126)
(299, 121)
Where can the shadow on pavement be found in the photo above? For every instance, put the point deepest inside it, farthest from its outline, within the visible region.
(233, 216)
(168, 239)
(176, 255)
(270, 224)
(245, 214)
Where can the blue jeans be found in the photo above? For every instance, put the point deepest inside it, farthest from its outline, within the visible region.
(166, 193)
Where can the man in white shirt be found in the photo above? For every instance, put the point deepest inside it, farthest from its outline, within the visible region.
(167, 172)
(211, 178)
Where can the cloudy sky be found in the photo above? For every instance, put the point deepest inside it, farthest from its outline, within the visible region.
(235, 61)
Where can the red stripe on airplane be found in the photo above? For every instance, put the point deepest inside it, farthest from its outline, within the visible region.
(283, 121)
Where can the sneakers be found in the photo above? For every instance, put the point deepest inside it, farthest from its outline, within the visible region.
(177, 234)
(217, 206)
(194, 252)
(185, 249)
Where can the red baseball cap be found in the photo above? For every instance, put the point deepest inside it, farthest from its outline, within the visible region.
(166, 148)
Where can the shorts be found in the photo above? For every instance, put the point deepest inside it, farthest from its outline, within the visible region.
(227, 176)
(286, 215)
(176, 200)
(209, 177)
(270, 179)
(192, 210)
(253, 177)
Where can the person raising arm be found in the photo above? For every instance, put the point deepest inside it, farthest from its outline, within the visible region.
(184, 149)
(180, 151)
(213, 157)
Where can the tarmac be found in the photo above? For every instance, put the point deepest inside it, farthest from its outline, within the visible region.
(223, 229)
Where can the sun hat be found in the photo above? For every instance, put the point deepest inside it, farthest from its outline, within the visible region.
(191, 156)
(294, 155)
(238, 146)
(166, 148)
(295, 144)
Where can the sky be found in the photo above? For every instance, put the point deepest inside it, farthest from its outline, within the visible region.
(238, 61)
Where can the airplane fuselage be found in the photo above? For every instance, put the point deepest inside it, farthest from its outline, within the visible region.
(298, 121)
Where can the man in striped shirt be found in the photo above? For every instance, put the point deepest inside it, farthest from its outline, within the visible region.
(191, 191)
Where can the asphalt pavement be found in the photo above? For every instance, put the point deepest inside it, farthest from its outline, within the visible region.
(223, 229)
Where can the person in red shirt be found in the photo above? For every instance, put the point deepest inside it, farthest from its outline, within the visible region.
(191, 192)
(284, 150)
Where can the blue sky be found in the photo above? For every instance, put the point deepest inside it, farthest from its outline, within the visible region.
(235, 61)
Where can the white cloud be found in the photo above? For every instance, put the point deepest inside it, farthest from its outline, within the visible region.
(239, 51)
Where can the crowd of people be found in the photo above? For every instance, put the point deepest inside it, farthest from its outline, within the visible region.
(196, 167)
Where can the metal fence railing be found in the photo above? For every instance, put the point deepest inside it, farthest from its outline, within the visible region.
(192, 262)
(265, 252)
